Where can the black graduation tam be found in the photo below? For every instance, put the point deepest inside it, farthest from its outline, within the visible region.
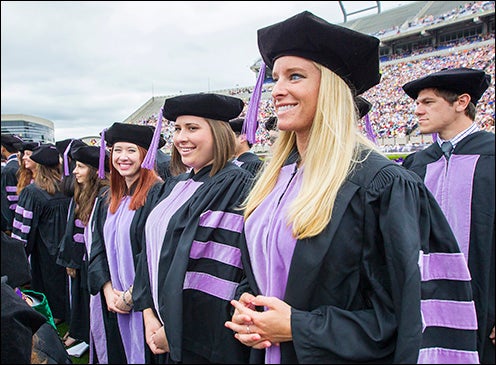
(62, 145)
(28, 146)
(237, 125)
(89, 155)
(363, 106)
(15, 264)
(46, 154)
(133, 133)
(352, 55)
(459, 80)
(11, 141)
(205, 105)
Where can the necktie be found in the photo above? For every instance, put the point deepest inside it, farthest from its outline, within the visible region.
(447, 147)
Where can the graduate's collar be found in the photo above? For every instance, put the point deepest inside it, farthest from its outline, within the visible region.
(204, 171)
(293, 157)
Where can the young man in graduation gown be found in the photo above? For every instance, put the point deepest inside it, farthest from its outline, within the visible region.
(461, 177)
(244, 158)
(10, 149)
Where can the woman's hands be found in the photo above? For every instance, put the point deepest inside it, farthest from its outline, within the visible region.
(260, 329)
(155, 333)
(113, 297)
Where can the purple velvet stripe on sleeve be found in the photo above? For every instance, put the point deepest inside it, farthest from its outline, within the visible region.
(18, 237)
(230, 221)
(12, 198)
(78, 237)
(443, 266)
(447, 356)
(216, 251)
(439, 313)
(21, 227)
(78, 223)
(212, 285)
(11, 189)
(25, 213)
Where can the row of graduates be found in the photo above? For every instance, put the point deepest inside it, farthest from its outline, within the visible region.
(330, 254)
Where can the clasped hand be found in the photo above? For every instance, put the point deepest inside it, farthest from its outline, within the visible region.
(260, 329)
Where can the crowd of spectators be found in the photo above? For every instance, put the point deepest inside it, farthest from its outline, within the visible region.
(392, 113)
(458, 12)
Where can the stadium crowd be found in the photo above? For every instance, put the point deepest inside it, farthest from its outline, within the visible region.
(391, 114)
(141, 252)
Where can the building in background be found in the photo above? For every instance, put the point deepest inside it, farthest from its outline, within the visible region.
(28, 127)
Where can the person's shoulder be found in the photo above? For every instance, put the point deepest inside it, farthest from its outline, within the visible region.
(377, 171)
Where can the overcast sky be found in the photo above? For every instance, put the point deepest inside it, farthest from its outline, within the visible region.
(86, 64)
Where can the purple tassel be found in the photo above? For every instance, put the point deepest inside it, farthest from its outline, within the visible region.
(66, 160)
(101, 161)
(250, 124)
(149, 160)
(368, 128)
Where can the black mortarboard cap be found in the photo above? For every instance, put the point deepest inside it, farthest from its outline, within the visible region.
(237, 125)
(11, 141)
(89, 155)
(28, 145)
(46, 154)
(363, 106)
(133, 133)
(62, 145)
(352, 55)
(205, 105)
(459, 80)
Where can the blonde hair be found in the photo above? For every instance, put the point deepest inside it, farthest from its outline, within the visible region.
(224, 148)
(332, 152)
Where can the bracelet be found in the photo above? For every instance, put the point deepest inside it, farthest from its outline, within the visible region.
(130, 305)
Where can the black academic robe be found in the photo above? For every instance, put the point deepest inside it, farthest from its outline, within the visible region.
(71, 254)
(163, 164)
(99, 273)
(9, 193)
(357, 292)
(249, 161)
(15, 264)
(199, 261)
(465, 189)
(40, 222)
(19, 323)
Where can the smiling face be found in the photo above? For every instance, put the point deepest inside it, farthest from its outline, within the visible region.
(126, 159)
(295, 93)
(26, 159)
(193, 139)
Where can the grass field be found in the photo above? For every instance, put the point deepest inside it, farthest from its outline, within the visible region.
(62, 329)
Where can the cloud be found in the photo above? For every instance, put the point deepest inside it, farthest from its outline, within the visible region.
(87, 64)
